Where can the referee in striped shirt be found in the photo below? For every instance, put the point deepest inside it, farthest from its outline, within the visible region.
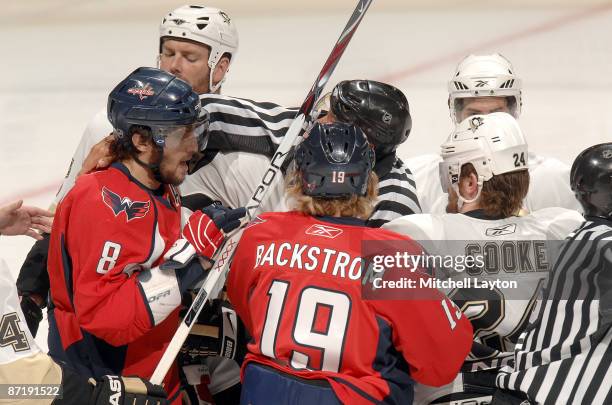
(245, 134)
(565, 355)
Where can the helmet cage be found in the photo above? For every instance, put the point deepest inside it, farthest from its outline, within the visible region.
(484, 76)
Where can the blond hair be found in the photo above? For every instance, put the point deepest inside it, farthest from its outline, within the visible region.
(354, 206)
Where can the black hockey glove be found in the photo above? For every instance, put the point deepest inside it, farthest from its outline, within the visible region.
(33, 277)
(126, 391)
(216, 333)
(32, 312)
(504, 397)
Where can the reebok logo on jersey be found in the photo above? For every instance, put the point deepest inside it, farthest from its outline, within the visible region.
(324, 231)
(133, 209)
(501, 230)
(142, 92)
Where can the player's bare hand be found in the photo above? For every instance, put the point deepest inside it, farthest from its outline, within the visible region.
(99, 156)
(17, 219)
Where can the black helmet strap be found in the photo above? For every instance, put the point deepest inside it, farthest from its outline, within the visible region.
(154, 167)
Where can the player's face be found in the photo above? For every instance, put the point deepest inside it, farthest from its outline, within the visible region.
(188, 61)
(180, 147)
(482, 105)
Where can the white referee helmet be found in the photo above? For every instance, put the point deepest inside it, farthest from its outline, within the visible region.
(493, 143)
(484, 76)
(205, 25)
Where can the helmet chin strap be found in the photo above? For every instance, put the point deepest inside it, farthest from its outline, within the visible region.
(154, 167)
(213, 88)
(461, 200)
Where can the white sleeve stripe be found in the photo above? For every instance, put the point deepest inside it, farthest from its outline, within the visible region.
(271, 111)
(246, 112)
(250, 131)
(400, 199)
(396, 182)
(384, 215)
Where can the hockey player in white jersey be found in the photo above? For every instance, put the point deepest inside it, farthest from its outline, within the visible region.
(483, 84)
(484, 170)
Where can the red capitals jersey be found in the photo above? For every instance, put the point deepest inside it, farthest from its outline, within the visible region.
(296, 283)
(113, 311)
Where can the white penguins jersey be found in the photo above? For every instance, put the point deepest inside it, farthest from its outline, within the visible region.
(549, 184)
(514, 249)
(511, 249)
(21, 361)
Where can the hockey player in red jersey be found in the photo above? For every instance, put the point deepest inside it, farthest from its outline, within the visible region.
(29, 375)
(296, 283)
(114, 300)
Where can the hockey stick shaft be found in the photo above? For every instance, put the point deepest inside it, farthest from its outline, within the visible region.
(218, 274)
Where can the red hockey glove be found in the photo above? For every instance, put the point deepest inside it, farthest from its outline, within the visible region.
(205, 230)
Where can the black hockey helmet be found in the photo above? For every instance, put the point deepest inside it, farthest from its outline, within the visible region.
(335, 161)
(158, 100)
(379, 109)
(591, 180)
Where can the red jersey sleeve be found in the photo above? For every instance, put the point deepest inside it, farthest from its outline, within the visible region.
(433, 342)
(429, 330)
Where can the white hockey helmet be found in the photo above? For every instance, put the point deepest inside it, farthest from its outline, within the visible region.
(493, 143)
(205, 25)
(484, 76)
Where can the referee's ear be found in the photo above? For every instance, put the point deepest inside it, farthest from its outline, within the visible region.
(221, 68)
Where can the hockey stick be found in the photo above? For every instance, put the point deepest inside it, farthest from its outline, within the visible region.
(218, 274)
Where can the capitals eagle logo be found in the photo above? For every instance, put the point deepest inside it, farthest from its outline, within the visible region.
(133, 209)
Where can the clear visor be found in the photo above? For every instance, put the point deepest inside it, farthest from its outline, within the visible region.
(463, 108)
(178, 135)
(449, 172)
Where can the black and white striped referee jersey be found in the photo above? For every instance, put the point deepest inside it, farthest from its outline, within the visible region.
(564, 356)
(244, 135)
